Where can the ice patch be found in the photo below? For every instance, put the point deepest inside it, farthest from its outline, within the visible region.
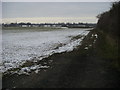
(86, 48)
(37, 71)
(90, 45)
(96, 35)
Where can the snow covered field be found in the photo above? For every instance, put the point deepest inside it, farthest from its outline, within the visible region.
(22, 45)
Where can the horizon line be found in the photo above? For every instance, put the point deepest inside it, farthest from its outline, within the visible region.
(51, 23)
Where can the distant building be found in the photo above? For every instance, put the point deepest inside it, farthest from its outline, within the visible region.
(34, 25)
(24, 25)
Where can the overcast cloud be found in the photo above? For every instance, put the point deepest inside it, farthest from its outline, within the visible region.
(53, 9)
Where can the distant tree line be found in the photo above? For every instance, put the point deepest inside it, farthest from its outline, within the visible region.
(69, 25)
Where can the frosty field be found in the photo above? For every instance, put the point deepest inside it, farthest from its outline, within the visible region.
(19, 46)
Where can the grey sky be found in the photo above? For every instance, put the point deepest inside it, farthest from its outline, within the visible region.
(53, 9)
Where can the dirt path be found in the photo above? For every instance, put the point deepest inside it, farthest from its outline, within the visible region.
(81, 68)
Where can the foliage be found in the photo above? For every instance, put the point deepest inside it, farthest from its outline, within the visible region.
(109, 25)
(109, 20)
